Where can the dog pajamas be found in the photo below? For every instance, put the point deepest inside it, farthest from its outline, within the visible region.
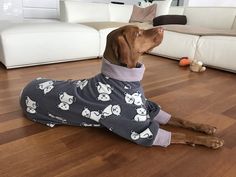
(113, 99)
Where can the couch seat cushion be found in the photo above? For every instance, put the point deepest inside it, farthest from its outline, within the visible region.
(200, 31)
(26, 44)
(103, 25)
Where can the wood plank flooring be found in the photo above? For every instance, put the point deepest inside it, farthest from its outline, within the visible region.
(29, 149)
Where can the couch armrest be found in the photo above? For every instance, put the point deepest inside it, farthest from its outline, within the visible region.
(170, 19)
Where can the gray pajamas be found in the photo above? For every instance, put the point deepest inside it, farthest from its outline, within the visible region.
(113, 99)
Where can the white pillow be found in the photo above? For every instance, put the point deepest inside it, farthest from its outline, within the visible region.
(120, 13)
(86, 12)
(162, 7)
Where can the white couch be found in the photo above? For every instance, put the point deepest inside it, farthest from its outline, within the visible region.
(216, 49)
(83, 29)
(73, 38)
(30, 43)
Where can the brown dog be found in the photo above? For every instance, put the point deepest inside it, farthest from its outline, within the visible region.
(124, 47)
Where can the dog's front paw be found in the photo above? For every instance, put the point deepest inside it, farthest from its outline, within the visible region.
(208, 129)
(214, 142)
(208, 141)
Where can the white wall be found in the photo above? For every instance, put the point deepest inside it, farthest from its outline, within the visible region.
(212, 3)
(11, 9)
(19, 9)
(40, 8)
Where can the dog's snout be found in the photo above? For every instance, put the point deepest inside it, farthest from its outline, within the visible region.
(160, 30)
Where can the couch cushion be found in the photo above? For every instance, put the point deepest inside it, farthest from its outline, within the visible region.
(211, 17)
(39, 43)
(120, 13)
(176, 10)
(217, 51)
(103, 25)
(201, 31)
(162, 7)
(146, 14)
(176, 45)
(76, 12)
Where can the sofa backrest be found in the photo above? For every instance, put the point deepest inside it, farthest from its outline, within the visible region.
(73, 11)
(120, 13)
(176, 10)
(213, 17)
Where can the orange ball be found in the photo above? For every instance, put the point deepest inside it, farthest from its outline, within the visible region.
(184, 62)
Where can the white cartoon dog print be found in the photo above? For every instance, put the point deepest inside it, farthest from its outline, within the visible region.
(46, 86)
(103, 97)
(39, 78)
(104, 91)
(128, 98)
(111, 109)
(94, 115)
(31, 105)
(81, 84)
(66, 101)
(145, 134)
(142, 115)
(50, 125)
(135, 98)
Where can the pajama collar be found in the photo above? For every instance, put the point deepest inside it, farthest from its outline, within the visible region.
(122, 73)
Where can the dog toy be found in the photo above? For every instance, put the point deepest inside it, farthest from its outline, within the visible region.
(197, 66)
(184, 61)
(194, 65)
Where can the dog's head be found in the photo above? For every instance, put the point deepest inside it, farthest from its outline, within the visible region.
(126, 44)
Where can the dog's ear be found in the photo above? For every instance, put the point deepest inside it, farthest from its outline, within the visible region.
(125, 50)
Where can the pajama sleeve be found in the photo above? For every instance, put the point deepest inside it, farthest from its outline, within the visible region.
(143, 133)
(156, 114)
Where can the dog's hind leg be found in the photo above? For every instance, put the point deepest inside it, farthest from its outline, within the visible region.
(208, 129)
(208, 141)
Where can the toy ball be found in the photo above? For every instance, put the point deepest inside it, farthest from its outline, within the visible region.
(184, 61)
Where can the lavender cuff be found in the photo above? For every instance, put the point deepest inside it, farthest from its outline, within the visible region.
(162, 117)
(163, 138)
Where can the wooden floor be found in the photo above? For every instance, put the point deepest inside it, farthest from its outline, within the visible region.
(28, 149)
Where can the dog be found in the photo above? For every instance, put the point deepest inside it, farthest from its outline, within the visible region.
(114, 99)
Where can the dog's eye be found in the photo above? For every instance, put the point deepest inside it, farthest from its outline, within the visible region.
(139, 33)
